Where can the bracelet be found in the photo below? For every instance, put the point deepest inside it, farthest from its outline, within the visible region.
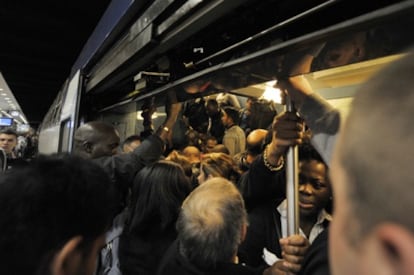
(166, 129)
(270, 166)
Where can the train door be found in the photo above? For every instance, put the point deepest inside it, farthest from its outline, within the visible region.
(58, 127)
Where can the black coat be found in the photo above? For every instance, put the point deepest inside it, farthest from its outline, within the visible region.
(174, 263)
(264, 231)
(263, 190)
(260, 186)
(316, 260)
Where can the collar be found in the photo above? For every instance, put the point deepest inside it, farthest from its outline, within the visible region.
(230, 126)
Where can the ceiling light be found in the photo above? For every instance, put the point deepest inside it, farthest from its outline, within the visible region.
(271, 93)
(154, 115)
(15, 113)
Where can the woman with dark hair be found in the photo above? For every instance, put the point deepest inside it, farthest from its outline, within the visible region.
(157, 194)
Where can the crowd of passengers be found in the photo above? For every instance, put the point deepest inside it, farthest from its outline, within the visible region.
(153, 178)
(213, 206)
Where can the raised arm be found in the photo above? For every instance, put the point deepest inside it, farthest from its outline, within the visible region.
(265, 180)
(322, 118)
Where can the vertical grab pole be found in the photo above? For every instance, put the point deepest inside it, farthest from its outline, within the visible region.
(292, 183)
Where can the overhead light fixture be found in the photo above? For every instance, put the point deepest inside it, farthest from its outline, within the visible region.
(154, 115)
(6, 114)
(15, 113)
(271, 93)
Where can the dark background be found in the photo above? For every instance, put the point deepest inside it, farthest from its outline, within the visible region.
(39, 43)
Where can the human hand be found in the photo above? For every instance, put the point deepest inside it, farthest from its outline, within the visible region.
(287, 131)
(277, 268)
(293, 251)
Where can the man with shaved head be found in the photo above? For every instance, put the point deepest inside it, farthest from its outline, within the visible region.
(96, 139)
(99, 140)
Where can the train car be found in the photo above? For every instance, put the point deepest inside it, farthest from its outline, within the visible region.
(142, 50)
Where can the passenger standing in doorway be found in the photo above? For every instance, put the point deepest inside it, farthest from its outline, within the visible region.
(211, 225)
(371, 232)
(99, 141)
(157, 194)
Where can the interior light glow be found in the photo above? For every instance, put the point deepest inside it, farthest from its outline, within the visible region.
(154, 115)
(271, 93)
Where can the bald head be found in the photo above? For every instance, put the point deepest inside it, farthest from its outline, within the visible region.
(96, 139)
(211, 223)
(192, 153)
(376, 148)
(255, 140)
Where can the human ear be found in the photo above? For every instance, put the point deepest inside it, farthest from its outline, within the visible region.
(68, 259)
(397, 248)
(87, 146)
(243, 232)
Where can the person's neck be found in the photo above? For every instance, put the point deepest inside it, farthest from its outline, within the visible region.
(306, 224)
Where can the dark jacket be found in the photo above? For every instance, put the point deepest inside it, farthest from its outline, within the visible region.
(122, 168)
(174, 263)
(264, 231)
(260, 186)
(263, 191)
(13, 163)
(141, 254)
(316, 261)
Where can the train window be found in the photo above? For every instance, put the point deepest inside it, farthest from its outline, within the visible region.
(334, 53)
(64, 140)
